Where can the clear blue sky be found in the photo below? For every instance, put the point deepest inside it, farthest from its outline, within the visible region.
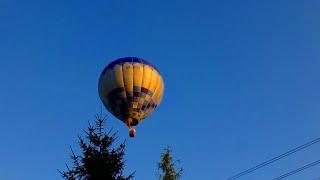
(242, 83)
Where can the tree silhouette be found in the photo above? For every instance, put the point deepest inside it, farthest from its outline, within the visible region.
(99, 160)
(167, 166)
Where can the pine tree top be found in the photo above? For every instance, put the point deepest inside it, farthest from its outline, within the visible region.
(99, 159)
(167, 166)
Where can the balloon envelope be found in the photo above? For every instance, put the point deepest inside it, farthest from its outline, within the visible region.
(131, 88)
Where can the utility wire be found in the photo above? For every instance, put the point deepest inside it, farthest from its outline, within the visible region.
(292, 151)
(297, 170)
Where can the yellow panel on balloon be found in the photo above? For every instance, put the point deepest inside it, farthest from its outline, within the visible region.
(119, 76)
(147, 72)
(154, 80)
(137, 74)
(159, 92)
(127, 69)
(119, 79)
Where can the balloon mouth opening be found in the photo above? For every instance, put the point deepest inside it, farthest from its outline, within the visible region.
(134, 122)
(131, 122)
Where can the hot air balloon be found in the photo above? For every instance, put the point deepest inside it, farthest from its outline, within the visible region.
(131, 89)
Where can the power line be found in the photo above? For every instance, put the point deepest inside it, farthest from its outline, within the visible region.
(297, 170)
(292, 151)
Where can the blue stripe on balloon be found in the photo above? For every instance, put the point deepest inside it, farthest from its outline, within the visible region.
(129, 59)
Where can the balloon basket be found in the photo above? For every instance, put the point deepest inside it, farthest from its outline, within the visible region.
(132, 132)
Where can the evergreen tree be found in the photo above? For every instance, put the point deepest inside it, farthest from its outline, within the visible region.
(99, 160)
(167, 166)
